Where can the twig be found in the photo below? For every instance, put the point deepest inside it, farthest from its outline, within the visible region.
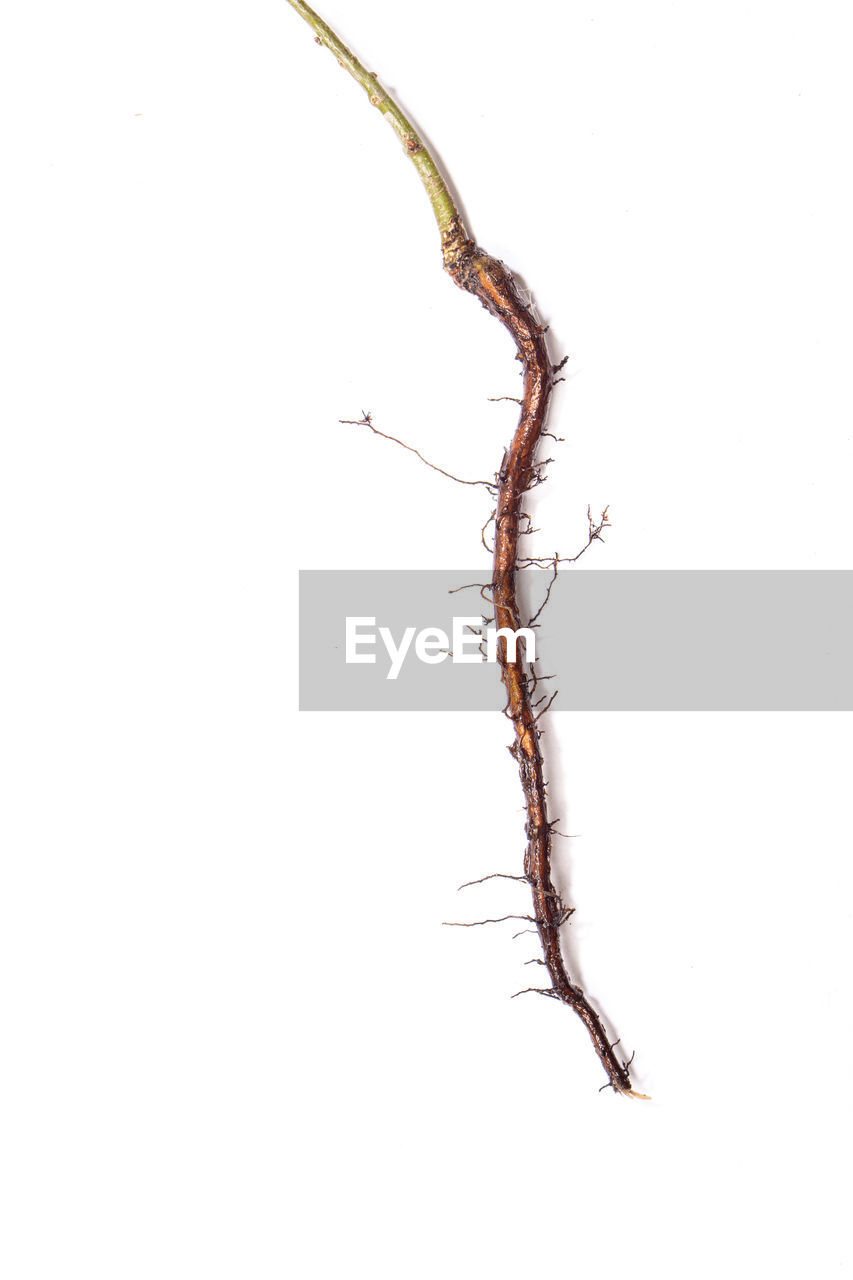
(366, 420)
(489, 280)
(496, 875)
(475, 924)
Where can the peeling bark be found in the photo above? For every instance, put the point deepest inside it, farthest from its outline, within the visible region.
(492, 282)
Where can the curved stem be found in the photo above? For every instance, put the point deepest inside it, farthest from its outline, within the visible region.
(443, 205)
(493, 283)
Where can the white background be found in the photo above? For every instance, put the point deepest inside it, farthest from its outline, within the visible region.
(236, 1040)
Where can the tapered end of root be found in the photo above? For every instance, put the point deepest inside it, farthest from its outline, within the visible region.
(632, 1093)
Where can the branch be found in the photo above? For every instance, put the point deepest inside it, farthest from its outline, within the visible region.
(489, 280)
(447, 215)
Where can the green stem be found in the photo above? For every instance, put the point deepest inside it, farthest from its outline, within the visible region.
(453, 234)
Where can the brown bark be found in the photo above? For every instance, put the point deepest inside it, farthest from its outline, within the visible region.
(490, 281)
(493, 283)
